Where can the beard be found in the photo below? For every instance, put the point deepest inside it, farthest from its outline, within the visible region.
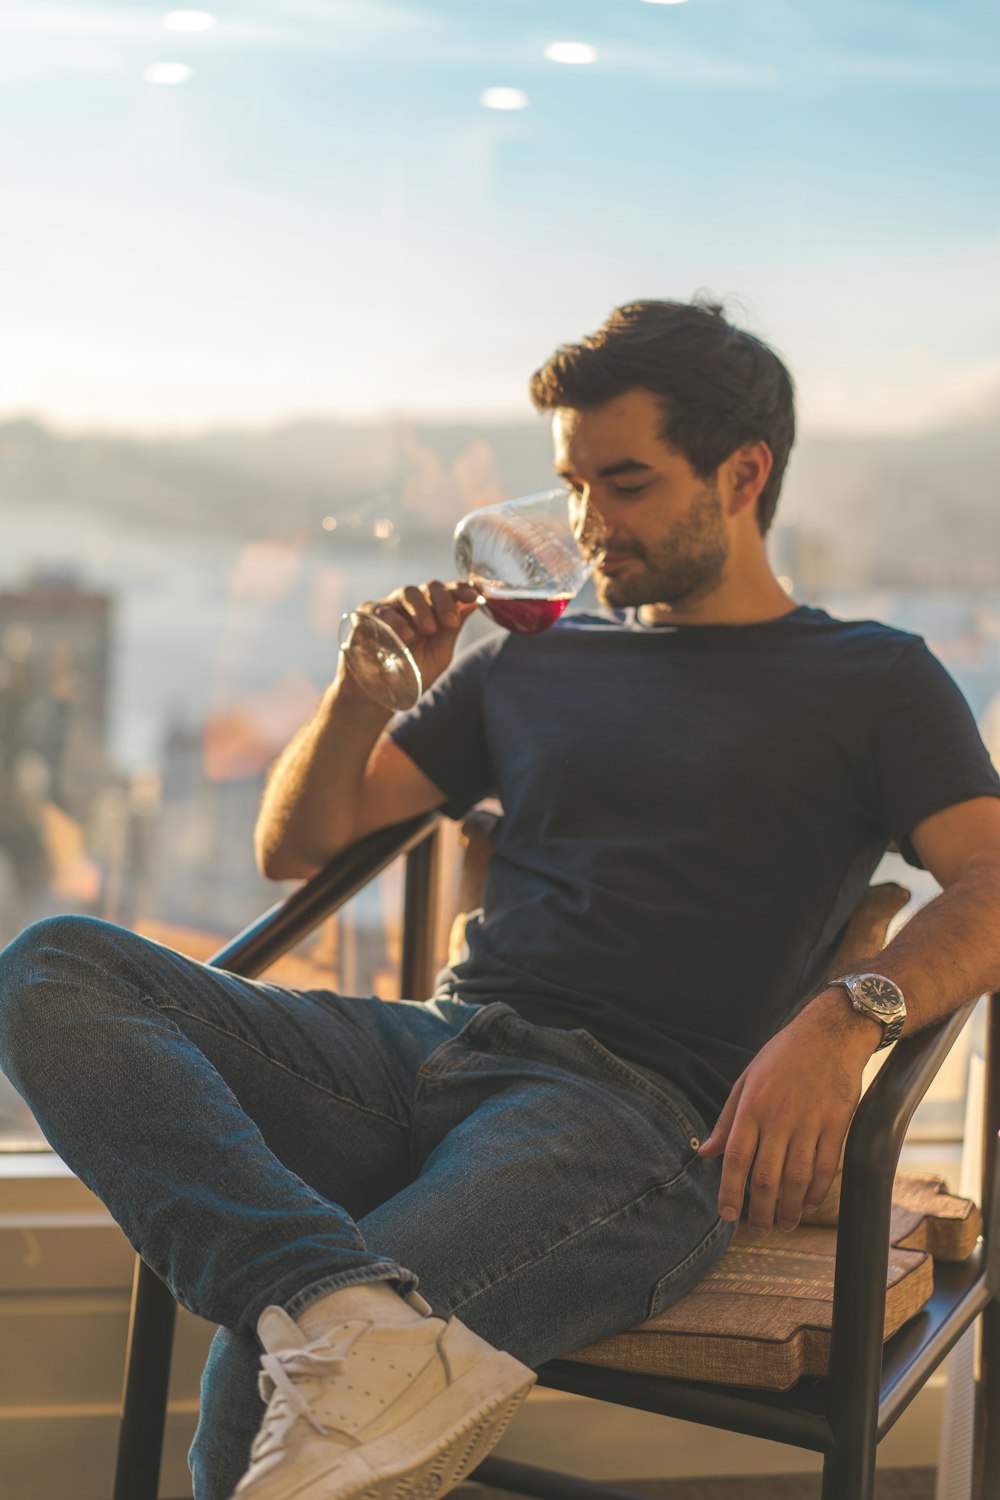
(683, 566)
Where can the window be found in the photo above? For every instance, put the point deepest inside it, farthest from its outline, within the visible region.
(272, 289)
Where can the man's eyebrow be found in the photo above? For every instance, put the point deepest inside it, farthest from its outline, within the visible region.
(626, 466)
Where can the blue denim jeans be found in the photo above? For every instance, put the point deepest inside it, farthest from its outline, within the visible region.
(259, 1145)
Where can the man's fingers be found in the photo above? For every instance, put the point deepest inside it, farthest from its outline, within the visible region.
(419, 606)
(451, 602)
(765, 1183)
(735, 1167)
(800, 1160)
(715, 1143)
(396, 619)
(827, 1162)
(423, 610)
(467, 599)
(442, 603)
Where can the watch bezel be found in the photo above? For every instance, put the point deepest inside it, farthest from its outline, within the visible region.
(890, 1014)
(890, 1006)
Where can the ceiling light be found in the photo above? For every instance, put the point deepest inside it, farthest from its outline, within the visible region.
(167, 73)
(504, 99)
(189, 20)
(571, 52)
(666, 2)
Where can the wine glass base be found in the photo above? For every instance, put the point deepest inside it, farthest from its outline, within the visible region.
(379, 662)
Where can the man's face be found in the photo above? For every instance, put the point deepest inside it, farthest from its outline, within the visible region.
(667, 539)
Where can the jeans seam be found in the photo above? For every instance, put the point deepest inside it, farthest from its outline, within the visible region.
(467, 1034)
(258, 1052)
(316, 1290)
(703, 1246)
(646, 1084)
(659, 1187)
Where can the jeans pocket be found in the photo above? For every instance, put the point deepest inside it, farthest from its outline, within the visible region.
(689, 1271)
(483, 1032)
(647, 1084)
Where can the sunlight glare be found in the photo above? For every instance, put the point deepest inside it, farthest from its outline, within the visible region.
(571, 52)
(503, 98)
(167, 72)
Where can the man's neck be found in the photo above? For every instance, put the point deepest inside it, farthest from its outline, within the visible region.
(725, 606)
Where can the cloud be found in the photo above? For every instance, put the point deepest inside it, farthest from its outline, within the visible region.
(121, 22)
(293, 24)
(357, 17)
(942, 56)
(913, 390)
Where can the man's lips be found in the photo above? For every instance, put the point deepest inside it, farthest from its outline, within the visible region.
(613, 562)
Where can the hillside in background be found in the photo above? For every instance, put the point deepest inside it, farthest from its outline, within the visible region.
(920, 509)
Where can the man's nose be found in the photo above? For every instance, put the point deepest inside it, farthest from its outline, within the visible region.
(591, 527)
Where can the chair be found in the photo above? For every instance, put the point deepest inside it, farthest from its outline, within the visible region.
(843, 1414)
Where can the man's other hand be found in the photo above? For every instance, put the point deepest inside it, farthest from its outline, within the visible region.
(786, 1119)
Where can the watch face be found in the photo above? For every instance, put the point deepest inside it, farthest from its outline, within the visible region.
(881, 994)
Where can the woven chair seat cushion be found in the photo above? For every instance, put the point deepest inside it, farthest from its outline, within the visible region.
(762, 1315)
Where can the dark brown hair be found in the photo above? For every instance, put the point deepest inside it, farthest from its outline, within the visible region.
(720, 387)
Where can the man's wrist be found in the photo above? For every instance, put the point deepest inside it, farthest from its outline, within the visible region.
(832, 1008)
(345, 689)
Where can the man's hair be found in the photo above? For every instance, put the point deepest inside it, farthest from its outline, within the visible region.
(720, 387)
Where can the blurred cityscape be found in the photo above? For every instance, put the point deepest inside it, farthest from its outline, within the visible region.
(169, 613)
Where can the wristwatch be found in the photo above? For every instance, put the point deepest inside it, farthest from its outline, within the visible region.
(874, 995)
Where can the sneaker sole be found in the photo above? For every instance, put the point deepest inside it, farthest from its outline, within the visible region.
(403, 1465)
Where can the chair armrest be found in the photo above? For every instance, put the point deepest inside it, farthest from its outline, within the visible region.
(874, 1142)
(883, 1116)
(292, 918)
(993, 1230)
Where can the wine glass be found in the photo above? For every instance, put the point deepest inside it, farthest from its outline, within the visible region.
(527, 557)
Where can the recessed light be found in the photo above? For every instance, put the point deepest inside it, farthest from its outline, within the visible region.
(504, 99)
(665, 2)
(167, 73)
(571, 52)
(189, 20)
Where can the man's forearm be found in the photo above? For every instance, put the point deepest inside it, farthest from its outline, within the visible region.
(311, 805)
(947, 954)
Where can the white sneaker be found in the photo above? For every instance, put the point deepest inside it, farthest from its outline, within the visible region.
(374, 1398)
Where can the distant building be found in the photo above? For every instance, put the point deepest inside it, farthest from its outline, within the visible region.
(55, 656)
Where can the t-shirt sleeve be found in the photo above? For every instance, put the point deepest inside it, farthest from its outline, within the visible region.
(445, 733)
(927, 751)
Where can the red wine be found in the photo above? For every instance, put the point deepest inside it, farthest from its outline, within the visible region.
(527, 613)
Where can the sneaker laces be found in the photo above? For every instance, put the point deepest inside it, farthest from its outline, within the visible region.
(286, 1403)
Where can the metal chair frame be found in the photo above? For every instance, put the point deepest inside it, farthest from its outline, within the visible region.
(843, 1415)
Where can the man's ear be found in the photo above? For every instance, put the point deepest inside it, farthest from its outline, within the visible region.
(744, 475)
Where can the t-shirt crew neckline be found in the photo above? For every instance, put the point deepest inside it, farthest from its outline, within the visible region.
(630, 618)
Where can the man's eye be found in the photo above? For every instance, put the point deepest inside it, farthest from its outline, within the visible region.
(629, 489)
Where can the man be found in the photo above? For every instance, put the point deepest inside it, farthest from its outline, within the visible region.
(697, 783)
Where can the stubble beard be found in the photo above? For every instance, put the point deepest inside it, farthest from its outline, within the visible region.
(686, 565)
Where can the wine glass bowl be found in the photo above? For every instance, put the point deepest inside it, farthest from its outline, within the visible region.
(528, 558)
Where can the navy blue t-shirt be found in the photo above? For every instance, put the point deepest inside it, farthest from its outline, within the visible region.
(691, 813)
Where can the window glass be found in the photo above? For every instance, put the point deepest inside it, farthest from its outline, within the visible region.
(272, 280)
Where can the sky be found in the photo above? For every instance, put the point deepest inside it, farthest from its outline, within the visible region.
(326, 219)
